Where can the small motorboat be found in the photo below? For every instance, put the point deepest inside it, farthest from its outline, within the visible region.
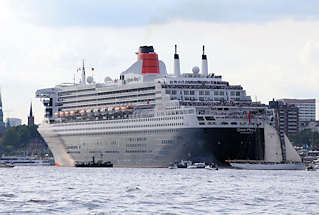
(6, 165)
(197, 166)
(184, 164)
(311, 167)
(211, 166)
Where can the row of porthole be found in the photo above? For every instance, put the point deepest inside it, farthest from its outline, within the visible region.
(123, 121)
(121, 127)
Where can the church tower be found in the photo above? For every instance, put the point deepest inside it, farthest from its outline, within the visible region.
(30, 117)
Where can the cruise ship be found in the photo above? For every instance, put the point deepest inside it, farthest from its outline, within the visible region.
(150, 118)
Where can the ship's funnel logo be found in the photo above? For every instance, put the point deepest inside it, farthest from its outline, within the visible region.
(150, 60)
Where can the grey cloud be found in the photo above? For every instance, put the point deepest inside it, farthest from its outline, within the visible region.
(142, 12)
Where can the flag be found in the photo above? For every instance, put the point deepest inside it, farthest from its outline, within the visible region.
(92, 69)
(248, 116)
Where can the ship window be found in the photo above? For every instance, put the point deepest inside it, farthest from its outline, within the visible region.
(200, 118)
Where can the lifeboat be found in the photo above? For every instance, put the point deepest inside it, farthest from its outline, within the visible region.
(117, 108)
(76, 111)
(110, 108)
(57, 114)
(123, 108)
(82, 112)
(129, 107)
(66, 113)
(72, 112)
(89, 111)
(62, 113)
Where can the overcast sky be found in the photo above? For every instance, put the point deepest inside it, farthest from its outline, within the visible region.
(269, 47)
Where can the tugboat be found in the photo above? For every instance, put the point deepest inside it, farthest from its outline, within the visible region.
(94, 164)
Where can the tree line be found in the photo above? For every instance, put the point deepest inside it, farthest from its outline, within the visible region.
(307, 138)
(16, 139)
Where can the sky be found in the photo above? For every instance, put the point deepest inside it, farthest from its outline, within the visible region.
(269, 47)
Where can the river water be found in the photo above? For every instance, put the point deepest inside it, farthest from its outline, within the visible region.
(58, 190)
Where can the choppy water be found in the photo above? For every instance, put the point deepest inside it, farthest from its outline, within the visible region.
(52, 190)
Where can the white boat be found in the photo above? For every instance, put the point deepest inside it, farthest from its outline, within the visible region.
(197, 166)
(5, 165)
(211, 167)
(311, 167)
(273, 155)
(24, 161)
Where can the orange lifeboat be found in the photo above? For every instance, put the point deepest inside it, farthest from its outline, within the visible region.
(57, 114)
(110, 108)
(123, 108)
(89, 111)
(117, 108)
(66, 113)
(82, 112)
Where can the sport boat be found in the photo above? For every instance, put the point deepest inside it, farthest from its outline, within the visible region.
(211, 166)
(6, 165)
(311, 167)
(197, 166)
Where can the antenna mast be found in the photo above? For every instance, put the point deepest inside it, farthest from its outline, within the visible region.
(83, 73)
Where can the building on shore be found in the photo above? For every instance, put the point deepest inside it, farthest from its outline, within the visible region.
(307, 110)
(286, 117)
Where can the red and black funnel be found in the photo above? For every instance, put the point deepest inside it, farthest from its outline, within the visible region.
(150, 60)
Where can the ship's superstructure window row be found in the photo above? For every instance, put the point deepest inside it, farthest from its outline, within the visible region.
(109, 98)
(70, 94)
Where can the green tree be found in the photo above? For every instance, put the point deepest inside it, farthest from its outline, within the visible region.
(306, 138)
(16, 139)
